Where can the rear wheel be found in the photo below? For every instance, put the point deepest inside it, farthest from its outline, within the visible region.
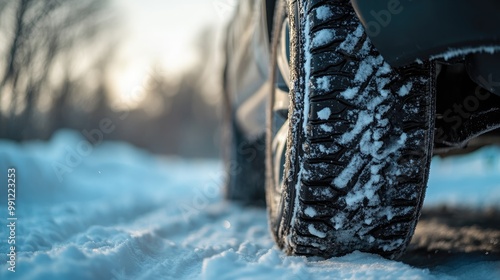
(349, 147)
(245, 167)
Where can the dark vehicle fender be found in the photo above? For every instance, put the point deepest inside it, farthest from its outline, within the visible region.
(405, 31)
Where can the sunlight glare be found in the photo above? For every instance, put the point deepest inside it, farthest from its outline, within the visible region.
(130, 85)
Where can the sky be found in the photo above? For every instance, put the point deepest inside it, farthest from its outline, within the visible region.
(162, 33)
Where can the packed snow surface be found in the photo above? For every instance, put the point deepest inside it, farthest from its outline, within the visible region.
(121, 213)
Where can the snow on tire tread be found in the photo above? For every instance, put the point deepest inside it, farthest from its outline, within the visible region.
(369, 167)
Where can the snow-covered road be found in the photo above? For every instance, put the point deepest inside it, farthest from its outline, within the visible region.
(115, 212)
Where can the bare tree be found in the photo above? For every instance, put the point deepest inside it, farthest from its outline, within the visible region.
(42, 40)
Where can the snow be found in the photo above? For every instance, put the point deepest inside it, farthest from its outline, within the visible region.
(324, 114)
(471, 180)
(343, 179)
(369, 146)
(352, 40)
(326, 128)
(122, 213)
(366, 68)
(350, 93)
(310, 212)
(360, 192)
(315, 232)
(323, 83)
(323, 12)
(338, 221)
(405, 90)
(452, 52)
(364, 119)
(323, 37)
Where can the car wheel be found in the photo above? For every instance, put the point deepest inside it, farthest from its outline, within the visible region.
(349, 139)
(244, 165)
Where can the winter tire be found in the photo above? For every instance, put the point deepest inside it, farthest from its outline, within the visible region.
(347, 167)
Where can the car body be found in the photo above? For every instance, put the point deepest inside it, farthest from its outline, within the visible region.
(248, 53)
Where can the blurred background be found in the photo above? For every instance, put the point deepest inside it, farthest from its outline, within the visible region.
(151, 69)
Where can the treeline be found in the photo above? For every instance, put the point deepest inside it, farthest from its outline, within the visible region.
(55, 63)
